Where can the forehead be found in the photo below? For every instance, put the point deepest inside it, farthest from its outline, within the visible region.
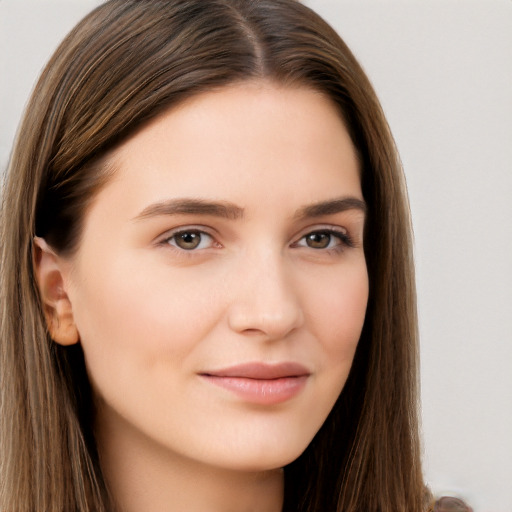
(250, 141)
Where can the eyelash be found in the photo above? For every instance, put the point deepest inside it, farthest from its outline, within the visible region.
(182, 232)
(345, 241)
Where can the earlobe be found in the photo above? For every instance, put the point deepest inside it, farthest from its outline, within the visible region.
(55, 300)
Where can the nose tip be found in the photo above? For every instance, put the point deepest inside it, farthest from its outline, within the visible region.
(273, 324)
(270, 308)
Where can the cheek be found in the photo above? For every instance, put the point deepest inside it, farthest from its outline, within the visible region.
(335, 316)
(140, 320)
(337, 313)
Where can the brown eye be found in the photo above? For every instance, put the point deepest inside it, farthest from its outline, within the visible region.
(325, 239)
(318, 240)
(190, 240)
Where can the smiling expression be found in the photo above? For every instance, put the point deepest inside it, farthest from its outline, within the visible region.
(220, 284)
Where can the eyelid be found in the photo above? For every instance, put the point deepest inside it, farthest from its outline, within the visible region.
(163, 240)
(336, 229)
(342, 233)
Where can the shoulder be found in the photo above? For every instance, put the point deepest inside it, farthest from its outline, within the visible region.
(449, 504)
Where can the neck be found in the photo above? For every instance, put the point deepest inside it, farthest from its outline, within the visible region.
(142, 475)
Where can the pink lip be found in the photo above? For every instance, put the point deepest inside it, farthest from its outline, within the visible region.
(261, 383)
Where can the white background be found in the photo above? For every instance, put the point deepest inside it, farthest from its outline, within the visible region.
(443, 72)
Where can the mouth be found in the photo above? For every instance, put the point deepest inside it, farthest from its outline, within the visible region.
(260, 383)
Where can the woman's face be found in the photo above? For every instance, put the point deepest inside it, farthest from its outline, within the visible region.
(220, 285)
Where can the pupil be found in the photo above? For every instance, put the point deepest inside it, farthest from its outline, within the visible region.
(189, 240)
(319, 240)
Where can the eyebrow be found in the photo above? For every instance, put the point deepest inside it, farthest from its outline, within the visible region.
(227, 210)
(192, 206)
(331, 207)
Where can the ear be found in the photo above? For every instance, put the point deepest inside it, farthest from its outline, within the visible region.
(56, 304)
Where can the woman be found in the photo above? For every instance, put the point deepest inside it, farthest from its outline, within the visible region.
(207, 283)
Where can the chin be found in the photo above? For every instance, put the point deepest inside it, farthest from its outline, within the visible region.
(260, 458)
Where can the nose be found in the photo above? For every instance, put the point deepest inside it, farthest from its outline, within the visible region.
(266, 300)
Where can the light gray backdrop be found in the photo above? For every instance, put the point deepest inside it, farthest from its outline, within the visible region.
(443, 72)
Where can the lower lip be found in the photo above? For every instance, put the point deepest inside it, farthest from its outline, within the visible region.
(261, 391)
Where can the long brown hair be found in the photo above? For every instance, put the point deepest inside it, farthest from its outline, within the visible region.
(124, 64)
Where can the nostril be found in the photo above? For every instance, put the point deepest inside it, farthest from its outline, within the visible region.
(252, 331)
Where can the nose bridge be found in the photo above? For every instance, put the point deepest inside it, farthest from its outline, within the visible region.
(265, 299)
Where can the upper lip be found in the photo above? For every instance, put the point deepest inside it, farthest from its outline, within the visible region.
(261, 371)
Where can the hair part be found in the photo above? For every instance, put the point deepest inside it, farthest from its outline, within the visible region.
(123, 65)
